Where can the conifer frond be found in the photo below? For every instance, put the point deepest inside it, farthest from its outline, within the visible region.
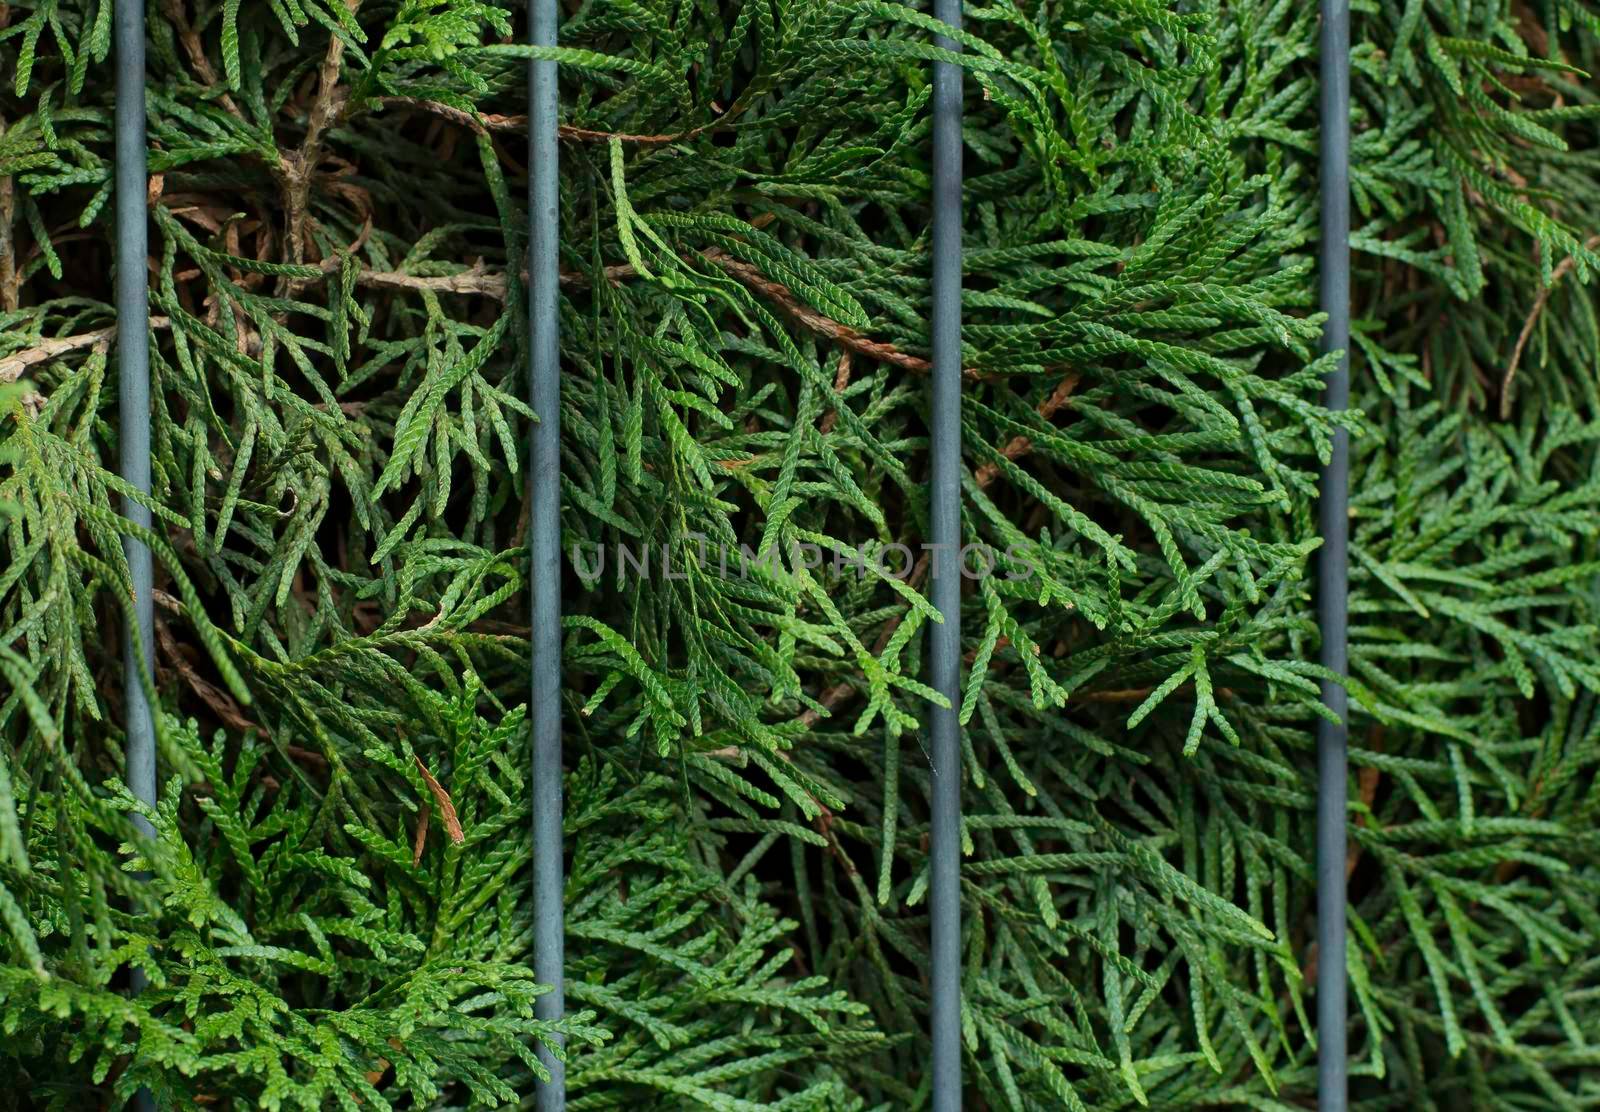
(333, 910)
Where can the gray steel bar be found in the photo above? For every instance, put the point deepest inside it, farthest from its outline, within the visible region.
(133, 374)
(544, 569)
(944, 639)
(1333, 565)
(132, 295)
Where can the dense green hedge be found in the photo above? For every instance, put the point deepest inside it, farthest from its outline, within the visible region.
(337, 913)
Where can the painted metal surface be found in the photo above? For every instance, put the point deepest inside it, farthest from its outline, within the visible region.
(544, 570)
(944, 639)
(132, 297)
(1333, 565)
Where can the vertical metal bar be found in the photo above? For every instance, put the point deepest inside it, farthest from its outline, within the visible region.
(944, 639)
(1333, 564)
(133, 380)
(544, 569)
(132, 295)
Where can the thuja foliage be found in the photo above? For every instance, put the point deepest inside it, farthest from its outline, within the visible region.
(332, 908)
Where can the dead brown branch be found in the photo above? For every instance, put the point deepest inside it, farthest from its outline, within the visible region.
(484, 122)
(812, 321)
(1019, 446)
(841, 379)
(1562, 269)
(194, 48)
(13, 366)
(297, 170)
(10, 283)
(220, 703)
(447, 809)
(420, 842)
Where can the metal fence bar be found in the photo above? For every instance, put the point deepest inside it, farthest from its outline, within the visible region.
(132, 296)
(544, 568)
(133, 382)
(944, 639)
(1333, 564)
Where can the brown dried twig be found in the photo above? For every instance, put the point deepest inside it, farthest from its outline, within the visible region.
(841, 379)
(10, 282)
(447, 809)
(811, 320)
(1019, 446)
(297, 170)
(420, 842)
(483, 122)
(194, 47)
(13, 366)
(1562, 269)
(220, 703)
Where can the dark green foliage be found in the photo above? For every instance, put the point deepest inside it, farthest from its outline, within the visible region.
(335, 914)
